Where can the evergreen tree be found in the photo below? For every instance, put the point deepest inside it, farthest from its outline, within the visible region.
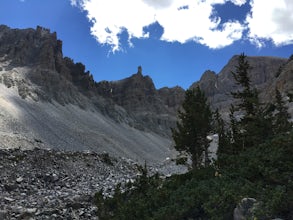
(193, 127)
(254, 126)
(281, 118)
(224, 138)
(220, 129)
(247, 96)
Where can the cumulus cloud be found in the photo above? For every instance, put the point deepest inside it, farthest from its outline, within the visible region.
(271, 20)
(110, 18)
(182, 21)
(188, 20)
(195, 23)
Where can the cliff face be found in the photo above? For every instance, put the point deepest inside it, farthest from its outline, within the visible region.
(133, 100)
(266, 73)
(153, 109)
(47, 100)
(40, 53)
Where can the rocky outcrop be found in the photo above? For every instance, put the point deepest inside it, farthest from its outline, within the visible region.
(52, 77)
(172, 97)
(245, 209)
(208, 83)
(154, 109)
(30, 47)
(263, 74)
(40, 53)
(136, 93)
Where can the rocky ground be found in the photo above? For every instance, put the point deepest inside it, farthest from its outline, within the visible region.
(48, 184)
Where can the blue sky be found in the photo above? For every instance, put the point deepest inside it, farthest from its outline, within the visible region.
(174, 41)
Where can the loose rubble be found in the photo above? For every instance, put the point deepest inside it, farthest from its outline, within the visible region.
(50, 184)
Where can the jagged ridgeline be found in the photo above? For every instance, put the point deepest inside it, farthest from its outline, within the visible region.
(54, 102)
(49, 98)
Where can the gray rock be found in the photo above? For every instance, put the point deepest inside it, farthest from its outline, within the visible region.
(10, 187)
(19, 179)
(58, 183)
(3, 214)
(245, 209)
(8, 199)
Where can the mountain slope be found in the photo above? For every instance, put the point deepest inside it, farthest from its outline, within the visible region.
(25, 124)
(50, 101)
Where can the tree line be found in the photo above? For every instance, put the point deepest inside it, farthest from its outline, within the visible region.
(254, 160)
(257, 123)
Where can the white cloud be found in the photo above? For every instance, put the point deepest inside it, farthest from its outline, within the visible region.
(271, 20)
(110, 17)
(158, 3)
(182, 20)
(230, 32)
(196, 24)
(238, 2)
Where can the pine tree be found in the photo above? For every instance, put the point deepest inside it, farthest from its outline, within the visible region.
(254, 126)
(193, 126)
(236, 141)
(281, 119)
(220, 129)
(247, 96)
(224, 145)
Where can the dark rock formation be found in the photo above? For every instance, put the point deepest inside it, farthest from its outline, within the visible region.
(283, 79)
(30, 47)
(136, 93)
(126, 118)
(155, 109)
(218, 87)
(245, 209)
(133, 100)
(172, 97)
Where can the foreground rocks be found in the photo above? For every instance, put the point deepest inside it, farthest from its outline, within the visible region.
(48, 184)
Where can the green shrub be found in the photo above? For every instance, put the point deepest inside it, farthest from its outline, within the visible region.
(264, 173)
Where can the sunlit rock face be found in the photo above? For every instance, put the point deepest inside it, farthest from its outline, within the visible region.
(49, 101)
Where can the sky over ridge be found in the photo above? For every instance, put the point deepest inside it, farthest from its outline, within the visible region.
(175, 41)
(189, 20)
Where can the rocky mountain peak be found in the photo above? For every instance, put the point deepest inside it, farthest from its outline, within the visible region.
(138, 81)
(218, 87)
(139, 70)
(155, 109)
(30, 47)
(207, 82)
(135, 93)
(208, 76)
